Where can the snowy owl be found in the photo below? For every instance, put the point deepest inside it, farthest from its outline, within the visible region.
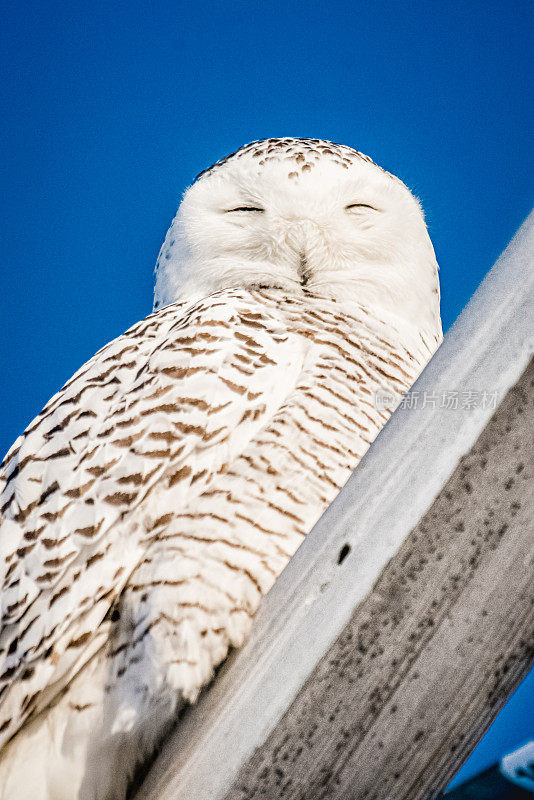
(162, 490)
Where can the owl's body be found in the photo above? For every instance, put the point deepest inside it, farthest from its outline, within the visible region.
(160, 493)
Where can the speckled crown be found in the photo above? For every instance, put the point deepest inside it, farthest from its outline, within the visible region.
(301, 154)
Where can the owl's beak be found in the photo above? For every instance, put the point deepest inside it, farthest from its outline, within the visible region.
(299, 236)
(303, 269)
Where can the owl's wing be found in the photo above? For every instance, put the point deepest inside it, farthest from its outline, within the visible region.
(154, 414)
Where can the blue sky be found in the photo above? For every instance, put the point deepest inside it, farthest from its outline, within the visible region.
(110, 110)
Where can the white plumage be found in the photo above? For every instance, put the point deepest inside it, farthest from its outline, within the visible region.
(158, 495)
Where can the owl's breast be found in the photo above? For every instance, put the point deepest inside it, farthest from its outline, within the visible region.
(258, 508)
(208, 568)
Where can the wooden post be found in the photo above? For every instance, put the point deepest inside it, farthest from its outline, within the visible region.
(406, 618)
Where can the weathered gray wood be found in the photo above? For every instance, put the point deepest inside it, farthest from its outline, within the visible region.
(431, 654)
(315, 599)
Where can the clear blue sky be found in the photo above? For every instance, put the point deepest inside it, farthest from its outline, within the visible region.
(110, 110)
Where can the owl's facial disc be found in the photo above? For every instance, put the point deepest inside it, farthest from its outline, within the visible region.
(301, 215)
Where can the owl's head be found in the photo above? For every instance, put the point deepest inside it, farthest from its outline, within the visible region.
(302, 215)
